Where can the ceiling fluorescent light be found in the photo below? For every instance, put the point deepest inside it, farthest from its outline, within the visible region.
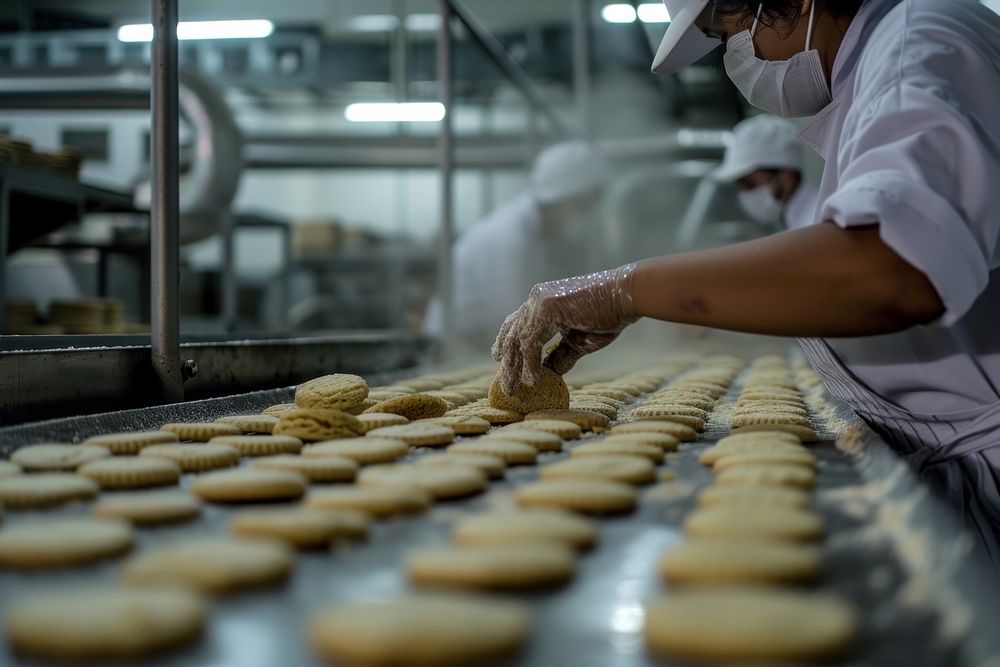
(618, 13)
(389, 22)
(653, 12)
(245, 29)
(391, 112)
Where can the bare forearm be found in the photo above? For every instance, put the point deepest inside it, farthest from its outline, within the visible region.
(818, 281)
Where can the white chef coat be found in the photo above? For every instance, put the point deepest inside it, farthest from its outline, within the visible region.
(912, 143)
(494, 266)
(801, 208)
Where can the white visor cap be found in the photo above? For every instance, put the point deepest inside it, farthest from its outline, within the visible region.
(683, 44)
(567, 170)
(761, 142)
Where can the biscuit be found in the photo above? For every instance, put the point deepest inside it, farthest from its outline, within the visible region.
(278, 410)
(493, 415)
(56, 457)
(300, 527)
(248, 485)
(421, 630)
(417, 434)
(759, 436)
(761, 522)
(195, 458)
(749, 624)
(45, 490)
(803, 433)
(740, 561)
(373, 420)
(130, 443)
(462, 425)
(625, 469)
(769, 475)
(550, 393)
(619, 395)
(768, 418)
(200, 432)
(211, 564)
(316, 469)
(682, 432)
(564, 429)
(260, 445)
(422, 384)
(148, 509)
(699, 401)
(493, 567)
(441, 483)
(251, 423)
(588, 421)
(587, 496)
(655, 413)
(662, 441)
(314, 424)
(8, 469)
(339, 391)
(540, 440)
(57, 543)
(619, 448)
(728, 448)
(491, 466)
(512, 453)
(375, 501)
(762, 457)
(109, 623)
(595, 406)
(526, 526)
(452, 398)
(132, 472)
(364, 450)
(754, 496)
(753, 407)
(413, 406)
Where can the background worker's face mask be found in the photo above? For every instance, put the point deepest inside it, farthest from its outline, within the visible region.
(789, 88)
(761, 205)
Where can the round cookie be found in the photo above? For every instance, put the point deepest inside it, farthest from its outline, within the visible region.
(260, 445)
(417, 434)
(248, 485)
(462, 425)
(564, 429)
(512, 453)
(625, 469)
(420, 630)
(526, 526)
(682, 432)
(251, 423)
(45, 490)
(130, 443)
(803, 433)
(315, 424)
(413, 406)
(656, 413)
(316, 469)
(767, 418)
(550, 393)
(441, 483)
(373, 420)
(278, 410)
(540, 440)
(754, 495)
(494, 416)
(56, 457)
(364, 450)
(56, 543)
(764, 474)
(760, 522)
(740, 561)
(132, 472)
(376, 501)
(211, 564)
(200, 431)
(494, 566)
(8, 469)
(100, 624)
(721, 449)
(773, 457)
(666, 443)
(452, 398)
(300, 527)
(491, 466)
(588, 421)
(758, 625)
(340, 391)
(148, 509)
(605, 448)
(195, 458)
(587, 496)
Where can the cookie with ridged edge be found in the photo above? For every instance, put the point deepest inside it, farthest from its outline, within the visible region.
(375, 501)
(251, 423)
(200, 431)
(747, 522)
(8, 469)
(682, 432)
(595, 406)
(494, 416)
(452, 398)
(588, 421)
(663, 441)
(760, 457)
(491, 466)
(132, 472)
(441, 483)
(540, 440)
(764, 474)
(195, 457)
(373, 420)
(278, 409)
(260, 445)
(56, 457)
(317, 469)
(462, 425)
(768, 418)
(366, 450)
(748, 495)
(211, 564)
(148, 509)
(315, 424)
(416, 434)
(676, 413)
(586, 496)
(551, 392)
(759, 435)
(45, 490)
(525, 526)
(749, 446)
(249, 485)
(130, 443)
(493, 567)
(619, 395)
(339, 391)
(511, 452)
(740, 561)
(413, 406)
(605, 448)
(58, 543)
(688, 400)
(625, 469)
(299, 527)
(564, 429)
(803, 433)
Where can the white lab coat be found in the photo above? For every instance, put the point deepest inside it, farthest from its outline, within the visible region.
(912, 143)
(494, 266)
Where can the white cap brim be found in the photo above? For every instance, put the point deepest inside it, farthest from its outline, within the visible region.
(683, 44)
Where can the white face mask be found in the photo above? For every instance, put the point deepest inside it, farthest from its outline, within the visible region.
(761, 205)
(789, 88)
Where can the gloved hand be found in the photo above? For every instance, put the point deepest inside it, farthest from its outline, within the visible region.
(588, 311)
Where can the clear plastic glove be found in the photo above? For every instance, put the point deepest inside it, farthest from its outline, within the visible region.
(587, 311)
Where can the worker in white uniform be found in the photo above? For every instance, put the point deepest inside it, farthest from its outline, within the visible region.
(532, 238)
(764, 161)
(894, 290)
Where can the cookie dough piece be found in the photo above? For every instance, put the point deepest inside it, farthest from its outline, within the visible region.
(56, 457)
(462, 425)
(148, 509)
(512, 453)
(749, 625)
(550, 393)
(605, 448)
(257, 424)
(132, 472)
(339, 391)
(45, 490)
(8, 469)
(300, 527)
(761, 522)
(362, 450)
(56, 543)
(441, 483)
(316, 469)
(540, 440)
(803, 433)
(774, 457)
(260, 445)
(130, 443)
(104, 624)
(564, 429)
(682, 432)
(662, 441)
(588, 421)
(195, 458)
(740, 561)
(200, 432)
(764, 474)
(375, 501)
(315, 424)
(373, 420)
(413, 406)
(211, 564)
(625, 469)
(753, 495)
(417, 434)
(493, 567)
(420, 630)
(587, 496)
(526, 526)
(249, 485)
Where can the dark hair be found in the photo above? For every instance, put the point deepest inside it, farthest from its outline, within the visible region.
(782, 11)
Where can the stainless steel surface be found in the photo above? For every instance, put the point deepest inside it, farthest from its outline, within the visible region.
(582, 10)
(164, 209)
(446, 166)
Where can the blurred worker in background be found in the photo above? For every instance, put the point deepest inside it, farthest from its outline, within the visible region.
(535, 237)
(764, 161)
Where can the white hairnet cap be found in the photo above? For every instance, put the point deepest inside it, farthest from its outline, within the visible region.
(567, 170)
(761, 142)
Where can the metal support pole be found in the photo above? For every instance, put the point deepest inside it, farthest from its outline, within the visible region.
(164, 211)
(4, 241)
(581, 65)
(446, 164)
(230, 279)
